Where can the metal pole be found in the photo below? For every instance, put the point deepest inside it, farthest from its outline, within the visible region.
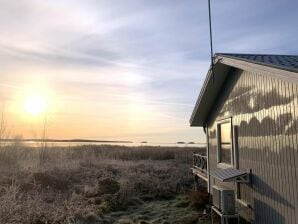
(210, 34)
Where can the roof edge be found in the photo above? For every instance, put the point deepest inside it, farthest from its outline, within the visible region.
(211, 87)
(222, 64)
(228, 55)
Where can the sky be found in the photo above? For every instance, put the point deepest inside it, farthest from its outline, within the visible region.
(124, 70)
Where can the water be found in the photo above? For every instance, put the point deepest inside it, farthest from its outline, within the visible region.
(66, 144)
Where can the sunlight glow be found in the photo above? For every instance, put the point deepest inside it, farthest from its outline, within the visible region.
(35, 104)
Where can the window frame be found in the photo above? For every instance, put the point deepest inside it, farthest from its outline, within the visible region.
(218, 127)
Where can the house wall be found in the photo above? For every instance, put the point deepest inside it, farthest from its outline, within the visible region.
(264, 112)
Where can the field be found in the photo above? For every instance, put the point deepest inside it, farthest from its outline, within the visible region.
(99, 184)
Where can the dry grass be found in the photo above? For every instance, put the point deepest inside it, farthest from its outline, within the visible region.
(86, 184)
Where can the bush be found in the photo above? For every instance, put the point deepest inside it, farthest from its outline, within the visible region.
(72, 182)
(199, 199)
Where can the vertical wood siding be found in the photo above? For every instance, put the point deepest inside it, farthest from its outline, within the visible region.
(265, 112)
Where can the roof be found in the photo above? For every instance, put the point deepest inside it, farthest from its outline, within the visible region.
(227, 175)
(287, 62)
(280, 66)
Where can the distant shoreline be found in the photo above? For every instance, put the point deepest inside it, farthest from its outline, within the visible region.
(62, 140)
(86, 141)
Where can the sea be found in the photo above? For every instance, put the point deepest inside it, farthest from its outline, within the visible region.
(68, 144)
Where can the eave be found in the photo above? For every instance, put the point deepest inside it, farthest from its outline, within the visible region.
(215, 79)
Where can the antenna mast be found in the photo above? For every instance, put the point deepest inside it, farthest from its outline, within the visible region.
(211, 45)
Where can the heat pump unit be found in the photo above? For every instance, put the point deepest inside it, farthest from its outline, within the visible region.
(224, 200)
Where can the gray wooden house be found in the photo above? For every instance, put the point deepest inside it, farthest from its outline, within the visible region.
(248, 107)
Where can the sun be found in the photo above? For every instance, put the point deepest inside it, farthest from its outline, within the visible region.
(35, 104)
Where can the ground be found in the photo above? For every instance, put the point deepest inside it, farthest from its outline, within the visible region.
(99, 184)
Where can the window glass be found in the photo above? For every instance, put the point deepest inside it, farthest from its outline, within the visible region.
(224, 143)
(225, 153)
(225, 133)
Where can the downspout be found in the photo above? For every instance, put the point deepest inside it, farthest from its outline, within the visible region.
(205, 128)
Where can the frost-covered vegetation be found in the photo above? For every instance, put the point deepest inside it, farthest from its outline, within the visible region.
(98, 184)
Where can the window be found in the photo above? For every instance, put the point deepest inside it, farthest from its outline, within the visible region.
(225, 142)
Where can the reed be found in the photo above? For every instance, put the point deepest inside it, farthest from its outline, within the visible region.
(68, 184)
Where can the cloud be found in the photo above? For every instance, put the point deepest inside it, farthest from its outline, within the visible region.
(62, 56)
(127, 54)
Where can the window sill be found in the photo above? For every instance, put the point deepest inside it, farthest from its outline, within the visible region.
(224, 165)
(243, 203)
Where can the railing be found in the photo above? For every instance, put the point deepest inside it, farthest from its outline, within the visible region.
(200, 165)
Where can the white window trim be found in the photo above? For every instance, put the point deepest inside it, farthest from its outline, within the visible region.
(219, 163)
(236, 165)
(239, 199)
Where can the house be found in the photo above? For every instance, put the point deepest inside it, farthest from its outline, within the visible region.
(248, 107)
